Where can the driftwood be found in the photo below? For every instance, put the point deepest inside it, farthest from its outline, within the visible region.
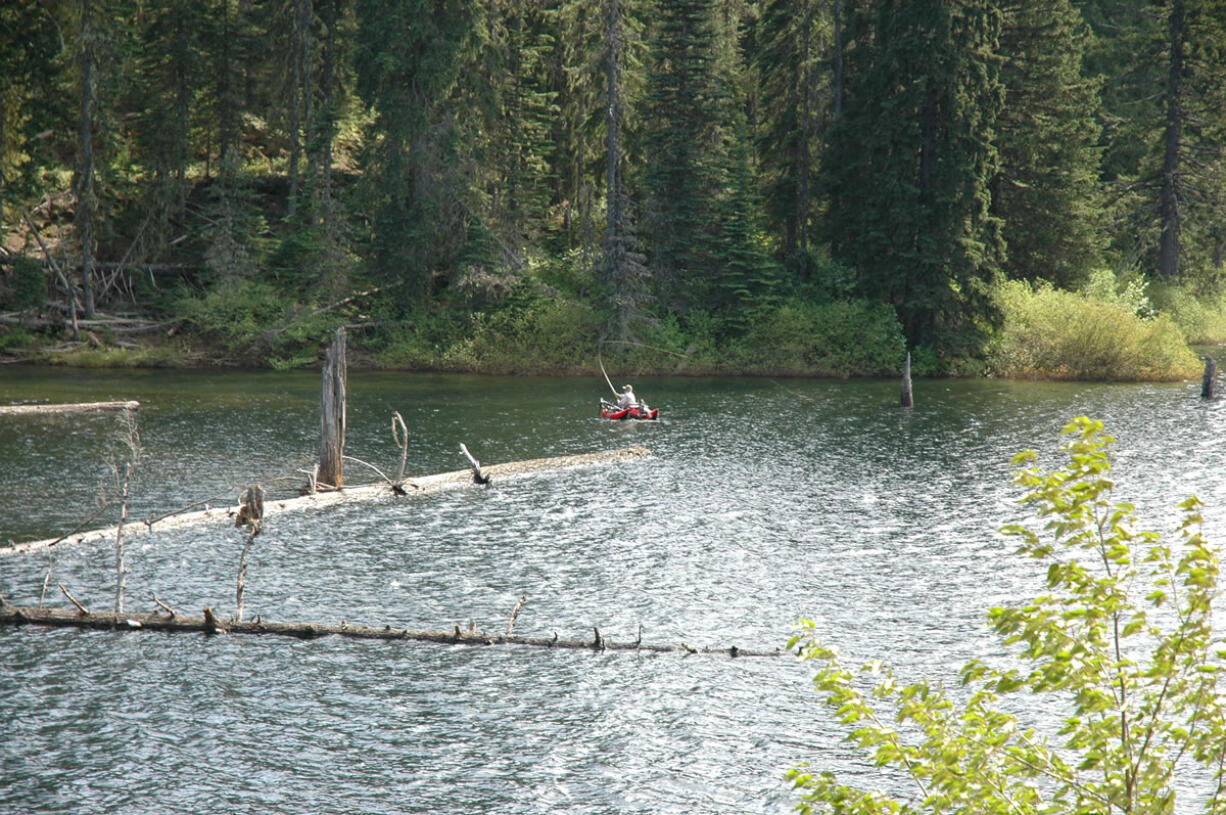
(422, 486)
(75, 407)
(210, 624)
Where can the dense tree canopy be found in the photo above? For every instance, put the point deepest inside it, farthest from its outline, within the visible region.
(685, 163)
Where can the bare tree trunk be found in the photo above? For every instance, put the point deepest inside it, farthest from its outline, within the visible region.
(329, 125)
(121, 567)
(226, 101)
(838, 60)
(806, 125)
(332, 414)
(131, 439)
(611, 182)
(295, 106)
(1168, 253)
(86, 182)
(906, 397)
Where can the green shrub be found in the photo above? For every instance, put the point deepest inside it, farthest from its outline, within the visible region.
(1132, 292)
(423, 341)
(532, 336)
(16, 337)
(839, 338)
(1201, 319)
(1053, 334)
(25, 285)
(543, 336)
(234, 316)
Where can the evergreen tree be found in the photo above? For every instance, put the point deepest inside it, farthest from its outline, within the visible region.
(1046, 193)
(1165, 72)
(795, 72)
(680, 139)
(86, 201)
(748, 278)
(577, 79)
(409, 58)
(625, 274)
(313, 247)
(31, 98)
(1190, 172)
(529, 107)
(915, 157)
(744, 276)
(171, 73)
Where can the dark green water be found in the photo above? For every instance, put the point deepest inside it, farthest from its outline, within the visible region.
(763, 502)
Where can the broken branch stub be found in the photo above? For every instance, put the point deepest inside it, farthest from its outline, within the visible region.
(478, 476)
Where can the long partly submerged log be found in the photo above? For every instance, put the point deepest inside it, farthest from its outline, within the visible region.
(420, 486)
(210, 624)
(73, 407)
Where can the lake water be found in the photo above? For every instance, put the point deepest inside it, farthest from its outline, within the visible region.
(764, 501)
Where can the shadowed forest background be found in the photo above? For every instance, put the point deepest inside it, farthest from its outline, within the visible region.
(810, 187)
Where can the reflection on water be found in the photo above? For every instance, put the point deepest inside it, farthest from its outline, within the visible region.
(763, 502)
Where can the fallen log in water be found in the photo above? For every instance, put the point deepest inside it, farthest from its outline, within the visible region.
(420, 486)
(73, 407)
(210, 624)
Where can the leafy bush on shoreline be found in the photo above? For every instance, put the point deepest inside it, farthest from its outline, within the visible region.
(1054, 334)
(541, 336)
(839, 338)
(1202, 320)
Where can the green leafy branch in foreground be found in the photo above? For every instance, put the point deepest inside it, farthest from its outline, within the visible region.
(1121, 652)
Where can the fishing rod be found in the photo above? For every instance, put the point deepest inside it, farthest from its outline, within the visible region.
(606, 376)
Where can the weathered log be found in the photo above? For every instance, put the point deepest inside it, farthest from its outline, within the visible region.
(74, 407)
(222, 517)
(332, 415)
(210, 624)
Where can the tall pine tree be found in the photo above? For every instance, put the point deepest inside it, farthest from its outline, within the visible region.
(793, 62)
(680, 139)
(913, 159)
(1046, 193)
(409, 58)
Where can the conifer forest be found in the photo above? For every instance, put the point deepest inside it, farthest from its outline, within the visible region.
(782, 186)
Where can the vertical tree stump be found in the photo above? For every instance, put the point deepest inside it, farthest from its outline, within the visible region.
(907, 399)
(1208, 383)
(332, 414)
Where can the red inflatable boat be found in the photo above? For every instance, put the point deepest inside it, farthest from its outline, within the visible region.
(639, 412)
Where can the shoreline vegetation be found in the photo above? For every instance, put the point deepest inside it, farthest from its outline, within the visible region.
(683, 187)
(769, 188)
(1104, 332)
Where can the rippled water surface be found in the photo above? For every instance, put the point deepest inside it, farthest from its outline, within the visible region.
(762, 502)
